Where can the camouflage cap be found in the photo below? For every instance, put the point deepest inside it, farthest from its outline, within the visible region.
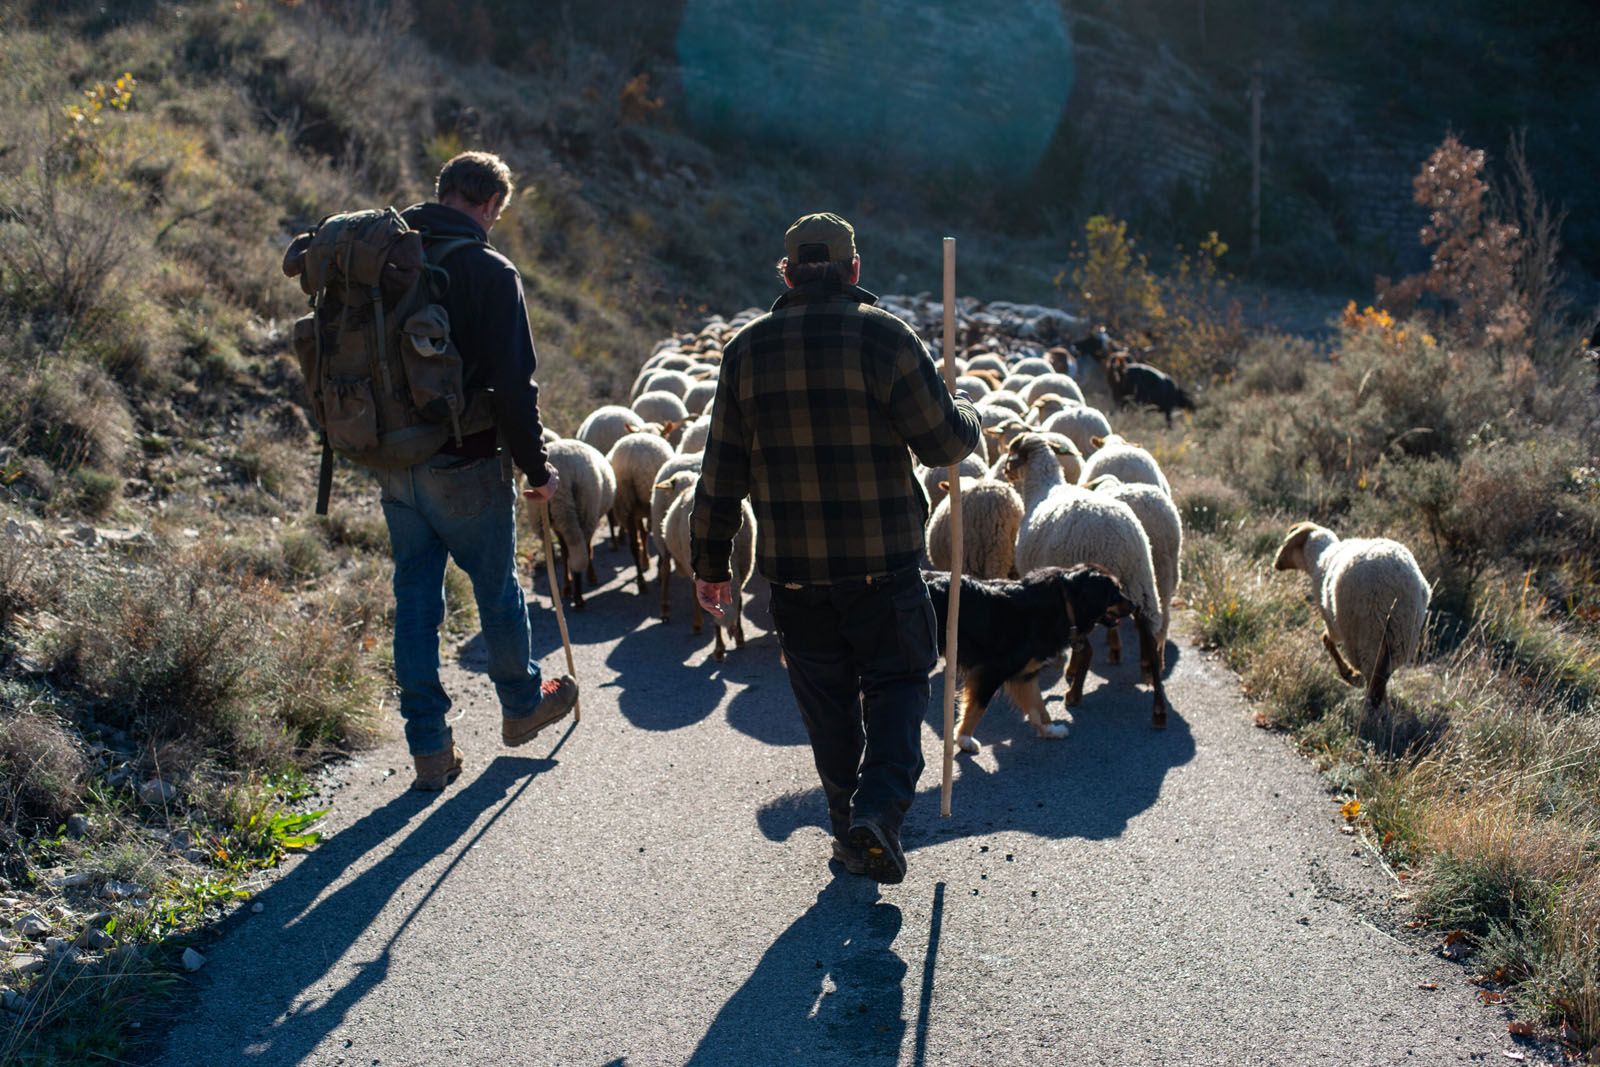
(823, 231)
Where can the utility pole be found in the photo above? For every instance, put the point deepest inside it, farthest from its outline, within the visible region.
(1256, 92)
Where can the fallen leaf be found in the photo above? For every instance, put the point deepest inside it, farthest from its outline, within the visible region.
(1350, 809)
(1427, 985)
(1262, 722)
(1513, 1055)
(1518, 1028)
(1491, 996)
(1388, 838)
(1457, 945)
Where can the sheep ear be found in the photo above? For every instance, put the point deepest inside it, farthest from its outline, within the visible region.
(992, 431)
(664, 485)
(944, 486)
(670, 425)
(1097, 441)
(1291, 554)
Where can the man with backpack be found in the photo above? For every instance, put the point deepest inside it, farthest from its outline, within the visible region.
(419, 360)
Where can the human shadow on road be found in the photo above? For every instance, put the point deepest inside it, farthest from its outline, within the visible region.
(1089, 785)
(286, 1032)
(829, 990)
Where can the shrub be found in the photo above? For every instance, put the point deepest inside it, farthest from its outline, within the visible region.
(43, 771)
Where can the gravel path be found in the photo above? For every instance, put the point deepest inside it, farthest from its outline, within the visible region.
(651, 888)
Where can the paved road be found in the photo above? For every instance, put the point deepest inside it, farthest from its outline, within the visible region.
(651, 888)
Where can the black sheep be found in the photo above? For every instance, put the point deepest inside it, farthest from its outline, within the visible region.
(1143, 384)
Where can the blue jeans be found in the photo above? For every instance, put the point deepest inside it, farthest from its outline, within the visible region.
(859, 654)
(464, 509)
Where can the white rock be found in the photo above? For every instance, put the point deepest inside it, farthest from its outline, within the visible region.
(14, 1001)
(78, 825)
(86, 535)
(192, 960)
(257, 908)
(14, 530)
(98, 940)
(73, 880)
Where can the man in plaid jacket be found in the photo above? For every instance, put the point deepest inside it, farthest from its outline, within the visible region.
(820, 406)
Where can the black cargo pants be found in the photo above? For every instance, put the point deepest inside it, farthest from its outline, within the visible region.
(859, 652)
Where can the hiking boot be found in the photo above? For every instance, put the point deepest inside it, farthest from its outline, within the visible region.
(437, 769)
(881, 857)
(849, 857)
(558, 697)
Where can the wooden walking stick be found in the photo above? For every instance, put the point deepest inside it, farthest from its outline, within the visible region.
(953, 615)
(555, 598)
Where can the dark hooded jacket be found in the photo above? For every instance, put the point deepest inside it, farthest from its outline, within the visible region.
(489, 324)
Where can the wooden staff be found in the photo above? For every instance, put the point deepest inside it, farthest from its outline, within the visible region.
(555, 598)
(953, 615)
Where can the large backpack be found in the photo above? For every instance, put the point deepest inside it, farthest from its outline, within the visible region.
(384, 377)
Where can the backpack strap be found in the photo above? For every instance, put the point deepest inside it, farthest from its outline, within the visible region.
(436, 251)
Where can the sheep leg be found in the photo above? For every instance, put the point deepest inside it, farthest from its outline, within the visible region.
(594, 579)
(720, 651)
(1152, 654)
(1346, 672)
(611, 528)
(1077, 671)
(1378, 683)
(566, 574)
(1113, 644)
(738, 618)
(696, 618)
(666, 574)
(1147, 641)
(641, 555)
(577, 591)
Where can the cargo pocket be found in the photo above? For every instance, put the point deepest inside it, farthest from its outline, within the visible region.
(916, 625)
(433, 367)
(350, 415)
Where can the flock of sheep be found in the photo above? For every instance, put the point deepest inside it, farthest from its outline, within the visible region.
(1050, 484)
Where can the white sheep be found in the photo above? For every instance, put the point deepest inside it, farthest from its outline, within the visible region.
(1163, 526)
(991, 513)
(1047, 405)
(1373, 598)
(972, 466)
(607, 425)
(1081, 423)
(988, 361)
(699, 396)
(1064, 524)
(588, 488)
(695, 435)
(1018, 384)
(742, 565)
(665, 408)
(1002, 398)
(1059, 384)
(635, 459)
(975, 387)
(1033, 365)
(660, 500)
(1113, 454)
(676, 382)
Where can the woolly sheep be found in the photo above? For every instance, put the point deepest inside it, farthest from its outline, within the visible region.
(1081, 423)
(991, 512)
(973, 466)
(1059, 384)
(1114, 455)
(976, 387)
(665, 408)
(1163, 526)
(999, 432)
(675, 382)
(1047, 405)
(1032, 366)
(695, 435)
(588, 488)
(699, 396)
(1064, 524)
(607, 425)
(1004, 398)
(1018, 383)
(635, 459)
(988, 362)
(1373, 599)
(742, 565)
(660, 500)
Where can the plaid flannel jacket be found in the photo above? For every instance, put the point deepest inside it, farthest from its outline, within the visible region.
(817, 403)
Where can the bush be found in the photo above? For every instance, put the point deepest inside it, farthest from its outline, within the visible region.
(43, 771)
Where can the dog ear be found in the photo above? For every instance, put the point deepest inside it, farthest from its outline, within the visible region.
(1292, 553)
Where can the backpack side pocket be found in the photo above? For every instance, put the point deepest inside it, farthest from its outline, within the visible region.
(433, 367)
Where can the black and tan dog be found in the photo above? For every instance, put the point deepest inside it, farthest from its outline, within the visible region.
(1008, 630)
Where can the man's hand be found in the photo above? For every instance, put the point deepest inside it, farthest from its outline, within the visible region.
(715, 597)
(543, 493)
